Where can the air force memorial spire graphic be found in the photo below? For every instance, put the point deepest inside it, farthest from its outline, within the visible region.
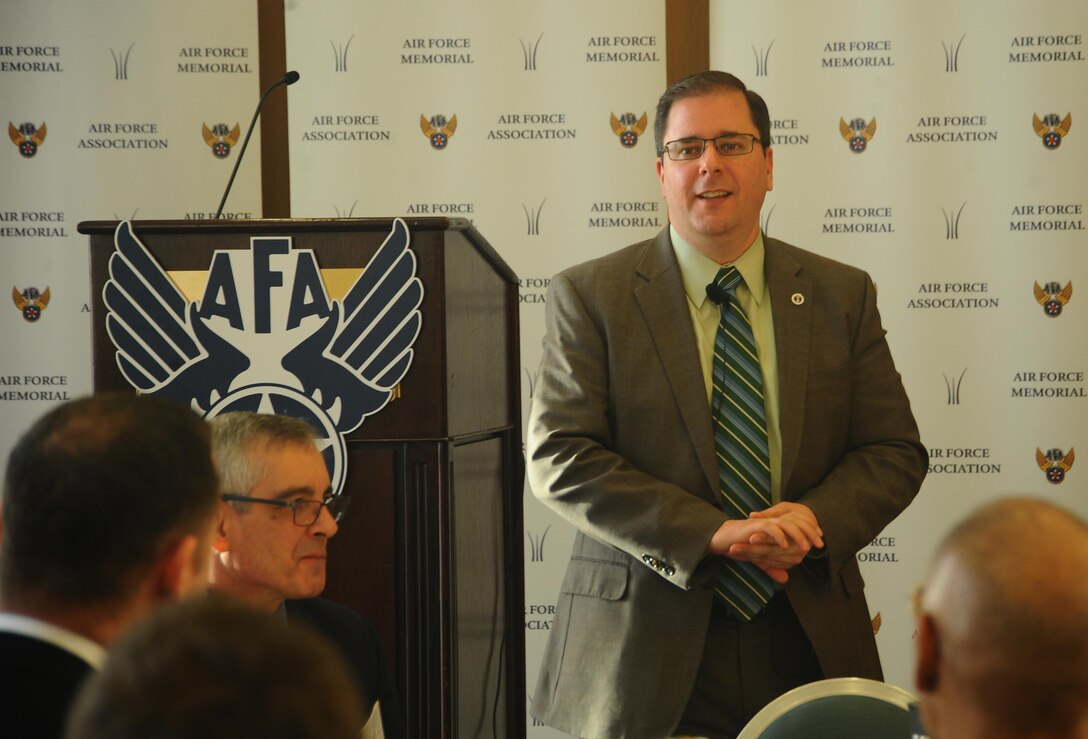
(265, 337)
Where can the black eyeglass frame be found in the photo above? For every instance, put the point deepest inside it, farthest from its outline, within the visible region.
(752, 140)
(337, 505)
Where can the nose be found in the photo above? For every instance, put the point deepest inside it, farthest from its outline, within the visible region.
(711, 160)
(325, 525)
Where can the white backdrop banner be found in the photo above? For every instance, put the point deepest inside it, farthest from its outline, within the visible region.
(114, 110)
(936, 145)
(501, 113)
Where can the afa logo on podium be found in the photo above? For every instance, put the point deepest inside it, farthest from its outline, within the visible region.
(265, 337)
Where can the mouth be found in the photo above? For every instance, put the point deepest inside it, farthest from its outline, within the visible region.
(713, 194)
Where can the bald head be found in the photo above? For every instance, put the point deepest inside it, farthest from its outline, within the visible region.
(1005, 619)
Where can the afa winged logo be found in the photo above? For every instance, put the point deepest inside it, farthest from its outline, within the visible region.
(628, 128)
(1053, 297)
(30, 302)
(1055, 464)
(1051, 129)
(265, 337)
(438, 130)
(27, 137)
(220, 138)
(857, 133)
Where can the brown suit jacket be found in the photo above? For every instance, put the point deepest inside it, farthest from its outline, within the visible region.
(620, 443)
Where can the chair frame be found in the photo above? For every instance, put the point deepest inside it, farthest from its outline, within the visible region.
(836, 686)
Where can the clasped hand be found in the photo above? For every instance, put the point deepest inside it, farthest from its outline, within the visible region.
(774, 539)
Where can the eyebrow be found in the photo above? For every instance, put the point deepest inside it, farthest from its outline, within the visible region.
(723, 133)
(303, 490)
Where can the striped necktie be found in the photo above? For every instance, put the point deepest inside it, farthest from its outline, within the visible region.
(740, 439)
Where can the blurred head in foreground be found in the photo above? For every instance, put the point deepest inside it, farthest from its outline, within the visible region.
(107, 512)
(1002, 640)
(218, 669)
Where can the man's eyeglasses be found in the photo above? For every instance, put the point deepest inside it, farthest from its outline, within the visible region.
(729, 145)
(303, 512)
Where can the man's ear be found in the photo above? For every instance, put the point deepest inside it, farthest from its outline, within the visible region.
(221, 536)
(927, 665)
(177, 576)
(768, 156)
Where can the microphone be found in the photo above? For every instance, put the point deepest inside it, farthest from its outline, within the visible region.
(717, 293)
(288, 79)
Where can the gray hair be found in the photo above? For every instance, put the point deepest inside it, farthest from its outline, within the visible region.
(236, 436)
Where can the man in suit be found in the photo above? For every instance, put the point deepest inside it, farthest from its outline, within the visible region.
(107, 512)
(676, 617)
(274, 524)
(1001, 645)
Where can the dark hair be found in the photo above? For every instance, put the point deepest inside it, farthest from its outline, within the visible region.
(705, 83)
(215, 668)
(95, 491)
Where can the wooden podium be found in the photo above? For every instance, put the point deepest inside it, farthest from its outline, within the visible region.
(431, 550)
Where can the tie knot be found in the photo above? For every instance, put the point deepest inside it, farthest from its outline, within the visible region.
(728, 278)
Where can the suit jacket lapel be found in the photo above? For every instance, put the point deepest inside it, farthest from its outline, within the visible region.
(663, 303)
(793, 338)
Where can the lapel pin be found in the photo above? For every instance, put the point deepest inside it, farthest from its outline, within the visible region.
(798, 299)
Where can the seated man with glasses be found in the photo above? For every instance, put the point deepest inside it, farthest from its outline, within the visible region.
(274, 525)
